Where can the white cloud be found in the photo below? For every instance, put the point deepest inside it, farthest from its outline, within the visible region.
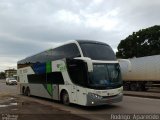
(9, 64)
(67, 17)
(28, 27)
(101, 21)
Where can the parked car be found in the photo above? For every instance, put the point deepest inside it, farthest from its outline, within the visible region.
(11, 81)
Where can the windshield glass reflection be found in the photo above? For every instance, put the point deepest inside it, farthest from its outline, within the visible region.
(105, 75)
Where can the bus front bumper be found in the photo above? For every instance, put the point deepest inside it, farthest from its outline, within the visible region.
(103, 100)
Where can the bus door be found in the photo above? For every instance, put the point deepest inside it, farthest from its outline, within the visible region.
(77, 70)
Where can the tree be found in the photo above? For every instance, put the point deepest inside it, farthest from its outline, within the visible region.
(145, 42)
(2, 75)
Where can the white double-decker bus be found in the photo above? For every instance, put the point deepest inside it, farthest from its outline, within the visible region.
(80, 71)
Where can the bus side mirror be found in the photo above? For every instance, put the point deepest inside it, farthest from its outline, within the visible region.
(88, 61)
(129, 63)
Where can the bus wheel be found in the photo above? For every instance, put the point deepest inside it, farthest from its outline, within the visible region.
(27, 92)
(134, 86)
(23, 90)
(65, 98)
(126, 86)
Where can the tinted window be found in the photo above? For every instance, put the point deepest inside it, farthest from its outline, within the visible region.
(97, 51)
(55, 78)
(52, 78)
(65, 51)
(78, 72)
(103, 74)
(34, 78)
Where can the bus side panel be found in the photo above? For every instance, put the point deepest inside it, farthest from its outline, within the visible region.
(60, 66)
(37, 90)
(81, 95)
(55, 92)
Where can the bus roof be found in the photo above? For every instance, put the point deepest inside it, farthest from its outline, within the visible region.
(90, 41)
(68, 42)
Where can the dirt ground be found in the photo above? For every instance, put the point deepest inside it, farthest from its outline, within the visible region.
(13, 107)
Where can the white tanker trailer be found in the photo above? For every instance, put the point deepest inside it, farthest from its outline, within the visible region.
(143, 74)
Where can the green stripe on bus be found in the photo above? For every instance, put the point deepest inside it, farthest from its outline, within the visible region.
(49, 88)
(48, 70)
(48, 67)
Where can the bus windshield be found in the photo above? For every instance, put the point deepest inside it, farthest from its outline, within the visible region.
(105, 76)
(97, 51)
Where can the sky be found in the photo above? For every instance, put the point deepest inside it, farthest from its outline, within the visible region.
(31, 26)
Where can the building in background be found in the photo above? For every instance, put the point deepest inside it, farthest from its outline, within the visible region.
(10, 73)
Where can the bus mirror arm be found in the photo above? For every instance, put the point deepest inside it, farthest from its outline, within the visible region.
(88, 61)
(129, 63)
(90, 66)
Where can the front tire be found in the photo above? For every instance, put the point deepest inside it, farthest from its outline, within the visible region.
(23, 90)
(27, 92)
(65, 98)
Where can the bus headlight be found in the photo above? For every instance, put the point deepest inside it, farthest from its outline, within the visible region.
(95, 96)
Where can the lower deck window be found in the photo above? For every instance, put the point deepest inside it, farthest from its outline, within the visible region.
(49, 78)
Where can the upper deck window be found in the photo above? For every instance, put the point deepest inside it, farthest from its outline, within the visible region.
(97, 51)
(65, 51)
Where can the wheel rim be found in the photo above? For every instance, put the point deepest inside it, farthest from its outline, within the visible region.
(133, 87)
(28, 92)
(23, 91)
(65, 99)
(126, 87)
